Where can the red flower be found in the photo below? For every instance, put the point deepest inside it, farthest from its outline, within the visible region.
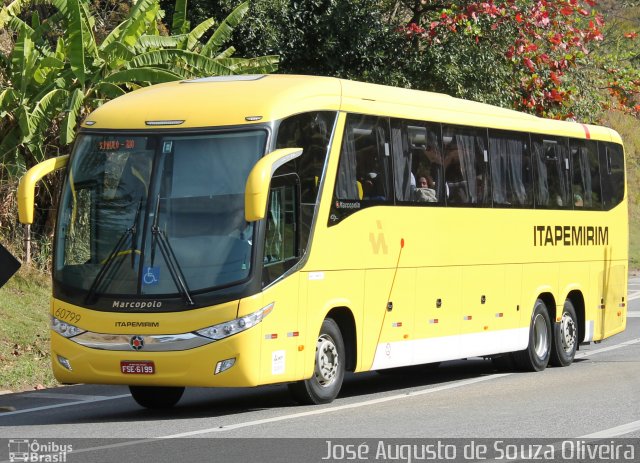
(566, 11)
(529, 64)
(556, 39)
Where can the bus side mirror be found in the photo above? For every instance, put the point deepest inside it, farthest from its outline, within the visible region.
(256, 192)
(27, 185)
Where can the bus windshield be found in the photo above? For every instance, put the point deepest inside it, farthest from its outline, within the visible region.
(156, 215)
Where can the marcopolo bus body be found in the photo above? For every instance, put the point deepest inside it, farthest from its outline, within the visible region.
(248, 230)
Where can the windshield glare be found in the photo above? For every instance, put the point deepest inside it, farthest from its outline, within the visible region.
(140, 213)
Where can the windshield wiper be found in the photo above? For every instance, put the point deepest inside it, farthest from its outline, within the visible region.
(159, 237)
(131, 231)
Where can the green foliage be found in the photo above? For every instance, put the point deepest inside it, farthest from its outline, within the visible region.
(24, 333)
(342, 38)
(63, 66)
(618, 56)
(56, 76)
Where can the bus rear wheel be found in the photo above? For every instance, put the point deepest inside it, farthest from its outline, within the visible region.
(565, 337)
(536, 356)
(156, 397)
(328, 372)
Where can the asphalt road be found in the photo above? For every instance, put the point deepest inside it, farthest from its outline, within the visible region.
(595, 398)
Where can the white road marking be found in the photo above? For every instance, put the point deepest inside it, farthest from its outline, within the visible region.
(633, 296)
(614, 432)
(382, 399)
(76, 397)
(608, 348)
(48, 407)
(322, 411)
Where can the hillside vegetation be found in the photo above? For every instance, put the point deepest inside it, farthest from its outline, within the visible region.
(24, 332)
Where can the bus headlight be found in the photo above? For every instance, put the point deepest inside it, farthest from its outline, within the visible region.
(64, 329)
(224, 330)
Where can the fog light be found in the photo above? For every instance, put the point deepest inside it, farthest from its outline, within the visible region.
(64, 362)
(224, 365)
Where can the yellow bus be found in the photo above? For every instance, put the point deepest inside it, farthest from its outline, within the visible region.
(251, 230)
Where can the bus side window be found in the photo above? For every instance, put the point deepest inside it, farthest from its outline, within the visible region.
(363, 178)
(511, 178)
(281, 239)
(417, 152)
(466, 166)
(312, 132)
(585, 181)
(611, 174)
(551, 161)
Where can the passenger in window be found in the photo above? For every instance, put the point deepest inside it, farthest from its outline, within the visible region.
(372, 188)
(578, 201)
(425, 190)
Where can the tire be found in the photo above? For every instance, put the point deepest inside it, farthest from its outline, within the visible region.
(536, 356)
(156, 397)
(328, 372)
(565, 337)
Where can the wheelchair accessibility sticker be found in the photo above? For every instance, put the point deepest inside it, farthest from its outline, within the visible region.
(151, 276)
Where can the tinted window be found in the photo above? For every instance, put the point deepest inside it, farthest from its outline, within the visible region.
(311, 132)
(420, 164)
(364, 168)
(281, 243)
(511, 176)
(551, 162)
(611, 174)
(466, 166)
(585, 183)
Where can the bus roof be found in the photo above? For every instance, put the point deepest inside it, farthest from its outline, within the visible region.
(243, 99)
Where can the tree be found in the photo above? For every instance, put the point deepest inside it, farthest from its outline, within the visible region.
(341, 38)
(61, 82)
(58, 71)
(534, 55)
(619, 56)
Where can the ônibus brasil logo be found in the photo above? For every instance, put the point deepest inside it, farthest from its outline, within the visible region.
(26, 450)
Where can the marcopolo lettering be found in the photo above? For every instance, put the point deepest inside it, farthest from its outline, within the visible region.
(347, 205)
(136, 304)
(568, 235)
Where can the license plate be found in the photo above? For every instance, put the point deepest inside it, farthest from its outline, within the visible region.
(144, 367)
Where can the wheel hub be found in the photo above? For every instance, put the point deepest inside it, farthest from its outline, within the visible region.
(568, 332)
(326, 361)
(540, 336)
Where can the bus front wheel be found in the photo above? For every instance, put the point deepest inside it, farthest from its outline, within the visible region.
(565, 337)
(328, 372)
(536, 356)
(156, 397)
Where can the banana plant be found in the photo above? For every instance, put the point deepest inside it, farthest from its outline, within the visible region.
(50, 84)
